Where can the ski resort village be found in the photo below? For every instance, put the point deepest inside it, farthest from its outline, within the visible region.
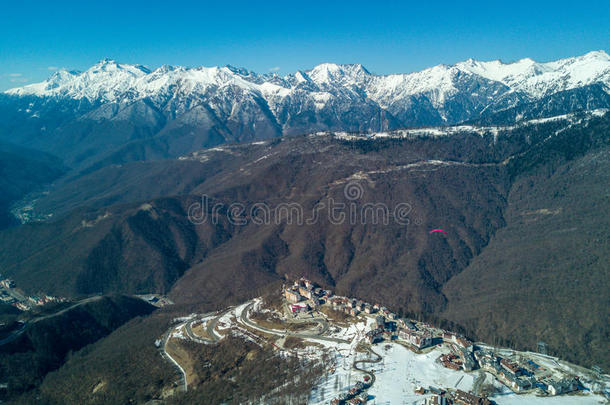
(371, 355)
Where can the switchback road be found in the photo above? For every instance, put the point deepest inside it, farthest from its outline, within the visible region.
(244, 319)
(368, 361)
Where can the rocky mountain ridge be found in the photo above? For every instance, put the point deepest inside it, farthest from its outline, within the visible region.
(113, 112)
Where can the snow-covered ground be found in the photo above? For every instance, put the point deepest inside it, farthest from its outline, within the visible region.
(238, 310)
(224, 322)
(179, 333)
(341, 376)
(401, 371)
(355, 330)
(457, 129)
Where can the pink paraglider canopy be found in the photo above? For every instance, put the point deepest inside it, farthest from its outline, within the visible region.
(437, 230)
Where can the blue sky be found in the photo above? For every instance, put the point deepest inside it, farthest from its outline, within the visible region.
(386, 37)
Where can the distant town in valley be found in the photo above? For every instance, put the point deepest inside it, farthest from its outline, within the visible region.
(10, 294)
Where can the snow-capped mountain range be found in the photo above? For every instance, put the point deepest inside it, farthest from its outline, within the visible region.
(227, 104)
(109, 81)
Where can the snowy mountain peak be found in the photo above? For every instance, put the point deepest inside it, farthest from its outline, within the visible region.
(536, 79)
(110, 65)
(600, 55)
(301, 77)
(330, 73)
(110, 81)
(105, 62)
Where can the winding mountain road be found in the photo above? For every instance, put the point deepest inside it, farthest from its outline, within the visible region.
(25, 325)
(368, 361)
(177, 365)
(189, 331)
(244, 319)
(211, 324)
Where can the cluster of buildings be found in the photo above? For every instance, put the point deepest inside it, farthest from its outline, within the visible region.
(442, 397)
(522, 378)
(417, 338)
(562, 386)
(466, 398)
(355, 395)
(36, 300)
(466, 356)
(7, 283)
(445, 397)
(388, 325)
(353, 306)
(392, 328)
(304, 295)
(9, 295)
(305, 290)
(462, 352)
(156, 300)
(7, 298)
(451, 361)
(378, 331)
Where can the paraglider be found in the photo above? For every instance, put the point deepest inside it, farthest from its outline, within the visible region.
(437, 230)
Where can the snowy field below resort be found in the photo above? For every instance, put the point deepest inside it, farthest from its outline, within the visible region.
(401, 371)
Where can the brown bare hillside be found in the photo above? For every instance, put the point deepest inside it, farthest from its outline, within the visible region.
(481, 188)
